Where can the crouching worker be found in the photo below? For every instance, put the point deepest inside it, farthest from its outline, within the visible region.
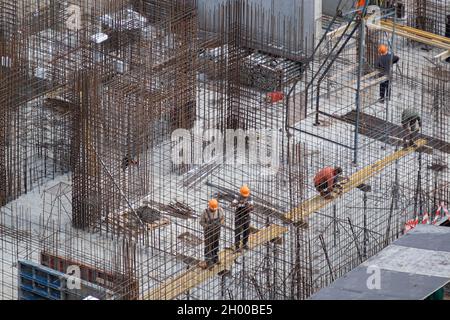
(411, 123)
(327, 180)
(212, 220)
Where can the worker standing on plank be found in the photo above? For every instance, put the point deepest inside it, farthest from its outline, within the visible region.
(384, 64)
(327, 179)
(212, 220)
(411, 123)
(243, 205)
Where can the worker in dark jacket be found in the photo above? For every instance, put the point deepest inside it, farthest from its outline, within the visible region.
(212, 220)
(327, 179)
(383, 63)
(411, 123)
(243, 205)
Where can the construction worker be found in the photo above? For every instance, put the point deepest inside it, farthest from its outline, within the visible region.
(384, 64)
(126, 161)
(327, 179)
(212, 220)
(243, 205)
(411, 123)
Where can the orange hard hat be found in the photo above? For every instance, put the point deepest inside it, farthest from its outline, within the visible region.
(213, 204)
(382, 49)
(245, 191)
(360, 3)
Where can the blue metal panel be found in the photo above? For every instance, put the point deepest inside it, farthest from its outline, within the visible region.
(37, 282)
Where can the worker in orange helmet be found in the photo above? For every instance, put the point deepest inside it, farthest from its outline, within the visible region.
(242, 218)
(327, 179)
(383, 63)
(212, 220)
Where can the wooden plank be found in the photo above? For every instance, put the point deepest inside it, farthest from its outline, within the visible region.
(316, 203)
(373, 74)
(393, 134)
(443, 55)
(339, 31)
(374, 82)
(370, 76)
(172, 288)
(352, 83)
(341, 72)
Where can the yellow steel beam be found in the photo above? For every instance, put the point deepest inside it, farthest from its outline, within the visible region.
(403, 31)
(413, 34)
(172, 288)
(314, 204)
(411, 30)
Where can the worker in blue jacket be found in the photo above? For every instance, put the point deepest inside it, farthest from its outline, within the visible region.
(383, 63)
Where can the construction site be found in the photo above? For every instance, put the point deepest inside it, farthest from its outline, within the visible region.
(124, 122)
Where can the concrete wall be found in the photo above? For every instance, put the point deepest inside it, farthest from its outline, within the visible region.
(329, 6)
(304, 15)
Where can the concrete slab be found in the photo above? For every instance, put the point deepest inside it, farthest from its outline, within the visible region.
(394, 285)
